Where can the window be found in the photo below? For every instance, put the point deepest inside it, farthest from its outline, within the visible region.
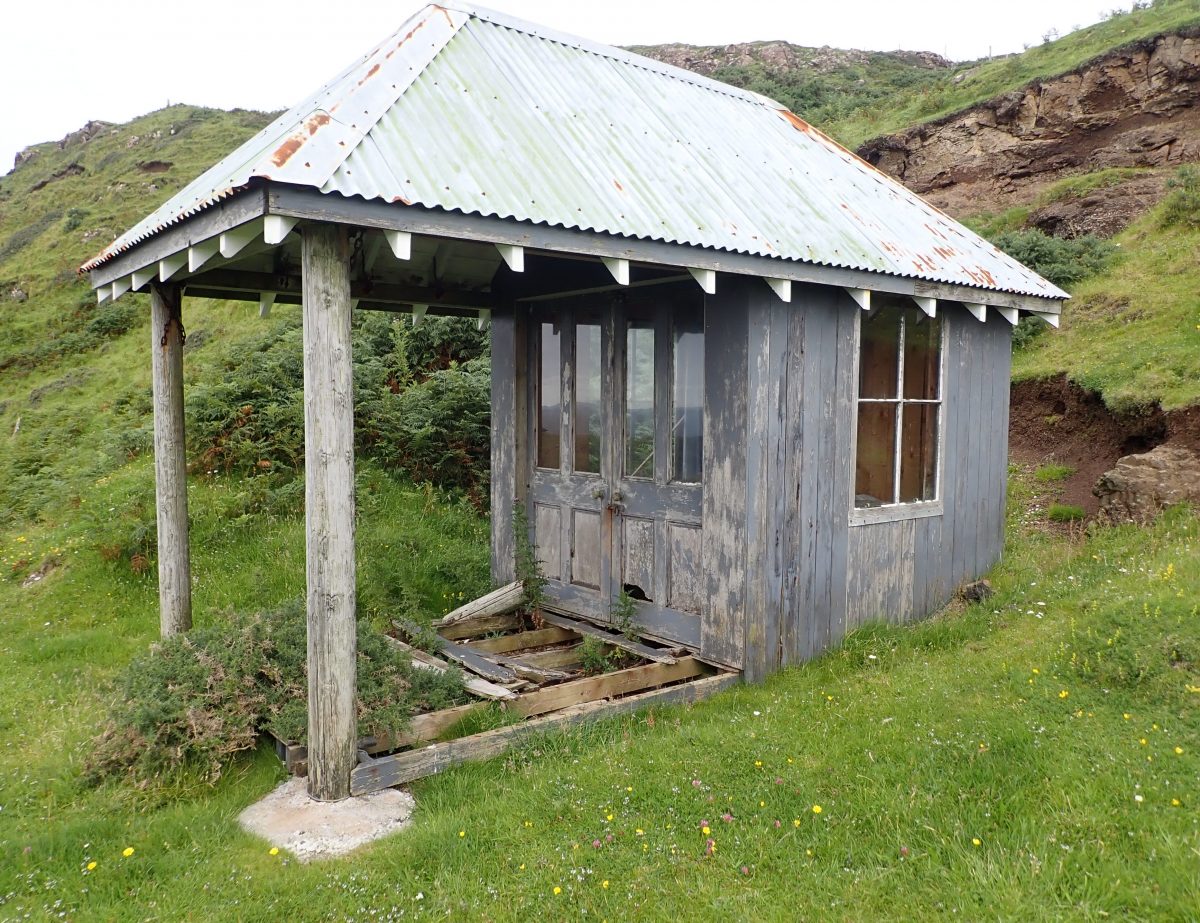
(899, 404)
(687, 424)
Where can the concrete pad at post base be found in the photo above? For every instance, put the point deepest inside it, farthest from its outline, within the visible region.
(310, 829)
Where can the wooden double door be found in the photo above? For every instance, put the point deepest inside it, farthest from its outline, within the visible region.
(616, 479)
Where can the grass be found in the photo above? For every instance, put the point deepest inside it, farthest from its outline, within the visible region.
(1052, 474)
(1018, 723)
(1065, 512)
(1132, 333)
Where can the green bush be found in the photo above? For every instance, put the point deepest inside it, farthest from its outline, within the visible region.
(195, 700)
(1182, 204)
(1063, 262)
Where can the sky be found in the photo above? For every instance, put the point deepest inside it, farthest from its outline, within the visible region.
(63, 62)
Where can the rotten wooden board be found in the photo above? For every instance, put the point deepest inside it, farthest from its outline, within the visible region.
(473, 684)
(405, 767)
(609, 637)
(482, 666)
(524, 640)
(497, 602)
(509, 621)
(605, 686)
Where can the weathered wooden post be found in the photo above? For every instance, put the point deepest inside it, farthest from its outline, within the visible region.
(170, 463)
(329, 512)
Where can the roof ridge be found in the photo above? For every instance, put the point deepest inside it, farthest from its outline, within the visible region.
(624, 56)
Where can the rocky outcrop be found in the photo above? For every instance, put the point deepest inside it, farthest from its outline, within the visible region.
(1135, 106)
(1141, 485)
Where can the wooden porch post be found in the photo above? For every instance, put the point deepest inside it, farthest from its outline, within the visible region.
(329, 512)
(170, 463)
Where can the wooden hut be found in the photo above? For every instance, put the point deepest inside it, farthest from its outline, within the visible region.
(747, 388)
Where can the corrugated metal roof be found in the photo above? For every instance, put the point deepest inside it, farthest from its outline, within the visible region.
(470, 110)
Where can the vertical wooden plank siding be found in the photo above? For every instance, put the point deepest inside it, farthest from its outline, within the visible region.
(1003, 373)
(329, 512)
(793, 617)
(170, 463)
(504, 444)
(845, 422)
(723, 544)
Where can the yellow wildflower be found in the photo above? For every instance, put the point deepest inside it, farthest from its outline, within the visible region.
(274, 851)
(91, 866)
(462, 833)
(604, 884)
(557, 889)
(705, 830)
(975, 841)
(796, 822)
(816, 809)
(608, 817)
(1179, 751)
(1063, 693)
(127, 852)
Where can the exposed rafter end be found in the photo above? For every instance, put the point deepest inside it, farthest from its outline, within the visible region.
(169, 265)
(781, 287)
(121, 286)
(418, 313)
(978, 311)
(277, 227)
(265, 300)
(141, 276)
(862, 297)
(926, 304)
(707, 279)
(401, 243)
(485, 318)
(103, 293)
(618, 267)
(202, 252)
(235, 240)
(1052, 319)
(513, 255)
(1012, 315)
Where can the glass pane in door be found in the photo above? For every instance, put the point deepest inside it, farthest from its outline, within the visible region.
(639, 399)
(687, 409)
(549, 426)
(588, 403)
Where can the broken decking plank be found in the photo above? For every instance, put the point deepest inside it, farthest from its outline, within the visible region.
(508, 621)
(605, 686)
(473, 661)
(473, 684)
(496, 602)
(405, 767)
(537, 637)
(616, 639)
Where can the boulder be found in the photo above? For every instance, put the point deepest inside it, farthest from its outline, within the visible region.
(1141, 485)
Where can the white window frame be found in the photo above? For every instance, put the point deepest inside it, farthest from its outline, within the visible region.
(912, 509)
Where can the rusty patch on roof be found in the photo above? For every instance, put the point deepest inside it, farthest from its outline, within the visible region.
(312, 125)
(369, 74)
(796, 122)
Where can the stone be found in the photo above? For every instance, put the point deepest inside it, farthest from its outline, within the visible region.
(1142, 485)
(978, 591)
(289, 819)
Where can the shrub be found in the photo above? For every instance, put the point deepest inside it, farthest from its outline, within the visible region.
(1182, 204)
(1063, 262)
(195, 700)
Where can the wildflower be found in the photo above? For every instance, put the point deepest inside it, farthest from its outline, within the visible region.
(808, 852)
(1036, 671)
(521, 867)
(629, 788)
(127, 852)
(762, 804)
(604, 884)
(1138, 798)
(640, 832)
(91, 866)
(557, 889)
(696, 783)
(1174, 804)
(975, 841)
(273, 851)
(727, 817)
(528, 823)
(595, 844)
(1179, 751)
(705, 830)
(462, 833)
(816, 809)
(1063, 693)
(796, 822)
(608, 817)
(1126, 715)
(745, 870)
(758, 764)
(778, 823)
(1143, 741)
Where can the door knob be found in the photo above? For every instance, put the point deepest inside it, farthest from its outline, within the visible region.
(617, 496)
(597, 493)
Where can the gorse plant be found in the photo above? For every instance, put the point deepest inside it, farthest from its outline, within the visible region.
(196, 700)
(1182, 204)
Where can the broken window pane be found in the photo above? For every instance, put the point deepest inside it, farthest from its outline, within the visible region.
(922, 355)
(918, 452)
(687, 426)
(875, 465)
(879, 354)
(588, 404)
(549, 427)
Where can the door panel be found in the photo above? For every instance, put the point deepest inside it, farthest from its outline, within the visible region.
(637, 577)
(685, 582)
(585, 548)
(547, 525)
